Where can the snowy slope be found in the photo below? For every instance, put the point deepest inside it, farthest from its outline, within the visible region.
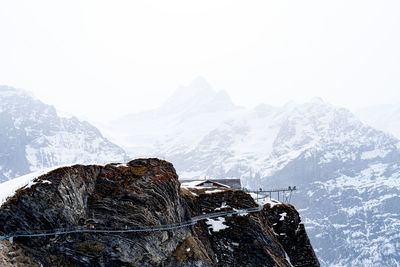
(348, 172)
(34, 137)
(8, 188)
(265, 140)
(354, 219)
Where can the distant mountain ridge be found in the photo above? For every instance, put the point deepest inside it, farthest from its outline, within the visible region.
(348, 173)
(34, 137)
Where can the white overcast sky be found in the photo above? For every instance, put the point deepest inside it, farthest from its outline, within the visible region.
(103, 58)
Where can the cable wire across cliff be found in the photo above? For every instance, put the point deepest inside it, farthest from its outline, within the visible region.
(166, 227)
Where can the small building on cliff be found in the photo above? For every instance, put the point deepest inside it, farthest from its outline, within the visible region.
(227, 183)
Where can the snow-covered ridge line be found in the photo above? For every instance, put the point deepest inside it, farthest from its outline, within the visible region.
(7, 91)
(35, 137)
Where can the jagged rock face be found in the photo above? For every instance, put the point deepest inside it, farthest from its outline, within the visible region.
(291, 233)
(34, 137)
(146, 192)
(250, 239)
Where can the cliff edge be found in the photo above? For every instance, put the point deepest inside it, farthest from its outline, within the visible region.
(104, 202)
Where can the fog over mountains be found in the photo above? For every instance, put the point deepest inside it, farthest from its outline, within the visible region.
(347, 172)
(34, 137)
(383, 117)
(178, 125)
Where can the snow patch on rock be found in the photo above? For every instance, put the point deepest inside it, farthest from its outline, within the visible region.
(8, 189)
(217, 224)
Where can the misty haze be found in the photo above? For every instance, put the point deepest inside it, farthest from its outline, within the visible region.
(183, 133)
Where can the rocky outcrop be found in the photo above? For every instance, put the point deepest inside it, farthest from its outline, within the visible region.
(146, 192)
(285, 222)
(252, 239)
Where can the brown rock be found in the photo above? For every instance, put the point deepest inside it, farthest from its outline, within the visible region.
(146, 192)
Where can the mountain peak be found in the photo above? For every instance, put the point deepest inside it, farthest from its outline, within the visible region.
(200, 82)
(198, 88)
(198, 95)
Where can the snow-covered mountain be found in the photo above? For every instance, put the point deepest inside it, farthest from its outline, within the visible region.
(348, 173)
(178, 125)
(34, 137)
(382, 117)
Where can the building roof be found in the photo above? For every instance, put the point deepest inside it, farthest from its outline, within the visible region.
(214, 182)
(191, 183)
(232, 183)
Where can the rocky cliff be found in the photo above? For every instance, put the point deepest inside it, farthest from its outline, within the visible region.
(145, 193)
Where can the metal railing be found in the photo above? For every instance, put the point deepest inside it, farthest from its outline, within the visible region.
(284, 193)
(193, 221)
